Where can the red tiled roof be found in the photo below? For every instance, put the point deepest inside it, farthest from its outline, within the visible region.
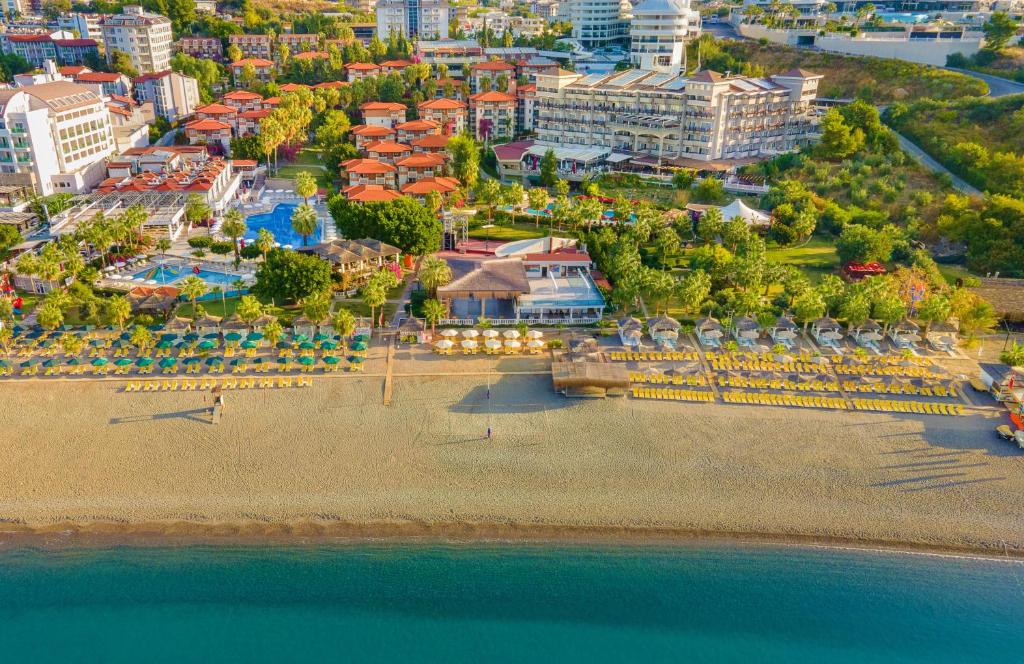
(372, 131)
(361, 66)
(75, 42)
(255, 62)
(292, 87)
(396, 63)
(492, 96)
(492, 65)
(207, 124)
(388, 147)
(421, 160)
(255, 115)
(30, 38)
(153, 76)
(381, 106)
(216, 109)
(369, 193)
(367, 167)
(242, 94)
(311, 55)
(426, 185)
(432, 141)
(572, 256)
(331, 84)
(272, 101)
(73, 70)
(441, 105)
(243, 163)
(418, 125)
(99, 77)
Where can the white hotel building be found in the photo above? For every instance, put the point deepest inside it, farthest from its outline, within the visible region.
(144, 36)
(599, 22)
(54, 137)
(412, 18)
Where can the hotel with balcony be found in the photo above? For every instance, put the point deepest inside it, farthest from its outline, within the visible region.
(145, 37)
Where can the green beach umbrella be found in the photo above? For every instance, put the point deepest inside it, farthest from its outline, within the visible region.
(233, 336)
(190, 360)
(163, 345)
(50, 363)
(100, 362)
(355, 359)
(300, 337)
(283, 360)
(320, 336)
(125, 336)
(122, 362)
(254, 336)
(211, 335)
(145, 361)
(168, 337)
(306, 360)
(331, 359)
(361, 337)
(96, 343)
(329, 345)
(191, 336)
(73, 362)
(207, 345)
(359, 345)
(119, 343)
(45, 343)
(257, 360)
(249, 344)
(30, 362)
(238, 362)
(283, 345)
(165, 363)
(212, 361)
(6, 364)
(307, 345)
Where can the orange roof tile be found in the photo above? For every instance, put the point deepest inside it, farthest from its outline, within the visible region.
(258, 63)
(388, 147)
(432, 141)
(441, 105)
(418, 125)
(492, 96)
(369, 193)
(208, 124)
(216, 109)
(382, 106)
(367, 167)
(361, 66)
(372, 131)
(427, 185)
(242, 94)
(421, 160)
(493, 65)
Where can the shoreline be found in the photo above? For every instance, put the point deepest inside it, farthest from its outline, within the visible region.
(109, 534)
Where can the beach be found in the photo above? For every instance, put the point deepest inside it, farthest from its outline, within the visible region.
(331, 459)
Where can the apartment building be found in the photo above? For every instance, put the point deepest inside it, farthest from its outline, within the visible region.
(145, 37)
(299, 43)
(705, 117)
(105, 83)
(416, 129)
(490, 72)
(659, 32)
(449, 113)
(86, 26)
(263, 69)
(370, 172)
(40, 47)
(597, 23)
(383, 113)
(204, 48)
(492, 114)
(54, 137)
(253, 46)
(413, 18)
(419, 166)
(174, 95)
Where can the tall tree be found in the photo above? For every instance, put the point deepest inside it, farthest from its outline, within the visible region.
(304, 222)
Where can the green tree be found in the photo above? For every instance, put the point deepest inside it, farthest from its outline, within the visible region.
(141, 338)
(119, 310)
(434, 312)
(694, 290)
(538, 200)
(465, 160)
(272, 331)
(999, 29)
(193, 288)
(513, 196)
(121, 62)
(264, 241)
(434, 273)
(249, 309)
(838, 140)
(234, 227)
(344, 324)
(549, 169)
(197, 209)
(304, 222)
(316, 306)
(855, 309)
(683, 178)
(49, 314)
(863, 244)
(889, 310)
(710, 226)
(809, 306)
(292, 276)
(934, 308)
(402, 222)
(709, 190)
(305, 186)
(1014, 355)
(374, 295)
(488, 193)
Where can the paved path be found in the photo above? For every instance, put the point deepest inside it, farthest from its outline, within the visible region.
(997, 87)
(926, 160)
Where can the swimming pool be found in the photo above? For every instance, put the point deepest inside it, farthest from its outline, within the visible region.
(168, 274)
(279, 222)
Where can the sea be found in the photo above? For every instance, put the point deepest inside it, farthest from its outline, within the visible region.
(385, 602)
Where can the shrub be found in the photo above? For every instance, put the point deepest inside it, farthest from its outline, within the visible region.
(200, 242)
(222, 247)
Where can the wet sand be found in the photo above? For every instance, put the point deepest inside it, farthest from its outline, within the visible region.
(331, 461)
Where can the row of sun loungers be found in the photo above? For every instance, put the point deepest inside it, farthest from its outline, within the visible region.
(664, 379)
(895, 406)
(752, 356)
(778, 384)
(654, 356)
(225, 384)
(887, 359)
(875, 370)
(897, 388)
(666, 394)
(797, 400)
(768, 365)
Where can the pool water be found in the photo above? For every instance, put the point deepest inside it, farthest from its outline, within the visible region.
(279, 222)
(168, 274)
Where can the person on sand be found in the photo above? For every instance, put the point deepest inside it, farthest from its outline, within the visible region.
(218, 398)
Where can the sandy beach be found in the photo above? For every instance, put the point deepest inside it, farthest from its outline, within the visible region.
(331, 459)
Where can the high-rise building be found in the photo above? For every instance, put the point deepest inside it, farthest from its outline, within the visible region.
(174, 95)
(413, 18)
(658, 34)
(144, 36)
(599, 22)
(54, 137)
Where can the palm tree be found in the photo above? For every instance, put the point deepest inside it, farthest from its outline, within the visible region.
(316, 307)
(304, 222)
(434, 273)
(344, 324)
(272, 331)
(197, 209)
(141, 338)
(374, 295)
(305, 186)
(234, 227)
(163, 245)
(28, 265)
(193, 288)
(119, 310)
(249, 308)
(434, 311)
(264, 242)
(6, 336)
(71, 344)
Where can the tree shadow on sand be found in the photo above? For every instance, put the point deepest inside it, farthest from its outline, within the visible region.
(195, 415)
(509, 395)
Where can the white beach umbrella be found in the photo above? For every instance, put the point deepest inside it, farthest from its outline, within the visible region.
(493, 344)
(115, 277)
(449, 333)
(512, 343)
(490, 334)
(468, 344)
(535, 343)
(470, 334)
(444, 344)
(511, 334)
(534, 334)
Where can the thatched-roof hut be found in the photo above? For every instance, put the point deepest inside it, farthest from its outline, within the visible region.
(590, 379)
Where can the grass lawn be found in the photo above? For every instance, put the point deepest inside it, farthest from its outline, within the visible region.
(954, 272)
(817, 257)
(521, 230)
(226, 307)
(289, 172)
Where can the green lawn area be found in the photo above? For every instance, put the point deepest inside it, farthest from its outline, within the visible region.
(307, 159)
(817, 257)
(954, 272)
(226, 307)
(521, 230)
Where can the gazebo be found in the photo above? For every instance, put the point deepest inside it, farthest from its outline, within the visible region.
(414, 330)
(207, 324)
(498, 283)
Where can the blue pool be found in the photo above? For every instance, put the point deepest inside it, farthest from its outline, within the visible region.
(168, 274)
(279, 222)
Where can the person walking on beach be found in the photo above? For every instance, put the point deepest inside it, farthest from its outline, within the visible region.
(488, 433)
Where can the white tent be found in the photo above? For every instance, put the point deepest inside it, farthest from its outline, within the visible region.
(748, 214)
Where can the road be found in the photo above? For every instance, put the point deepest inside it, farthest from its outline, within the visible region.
(997, 87)
(926, 160)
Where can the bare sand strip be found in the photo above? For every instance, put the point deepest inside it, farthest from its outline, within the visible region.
(330, 461)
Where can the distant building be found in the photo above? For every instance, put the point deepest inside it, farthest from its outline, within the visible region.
(659, 32)
(204, 48)
(264, 69)
(382, 113)
(174, 95)
(449, 113)
(105, 83)
(413, 18)
(145, 37)
(253, 46)
(38, 48)
(490, 72)
(492, 115)
(598, 22)
(86, 26)
(299, 43)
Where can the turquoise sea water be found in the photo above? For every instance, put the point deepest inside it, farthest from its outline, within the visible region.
(694, 603)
